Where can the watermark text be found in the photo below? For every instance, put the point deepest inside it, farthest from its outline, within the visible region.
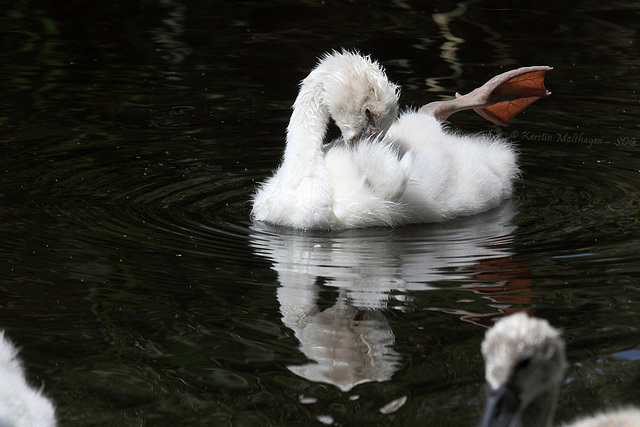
(573, 138)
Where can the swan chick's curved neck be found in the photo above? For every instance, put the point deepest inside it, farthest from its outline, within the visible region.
(308, 123)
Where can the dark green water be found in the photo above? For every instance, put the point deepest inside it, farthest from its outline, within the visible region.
(132, 138)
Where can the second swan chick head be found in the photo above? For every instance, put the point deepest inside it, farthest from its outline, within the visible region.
(524, 365)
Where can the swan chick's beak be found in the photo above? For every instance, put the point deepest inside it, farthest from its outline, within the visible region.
(368, 132)
(501, 409)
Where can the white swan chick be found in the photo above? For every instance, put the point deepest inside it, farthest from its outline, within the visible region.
(524, 366)
(384, 170)
(20, 404)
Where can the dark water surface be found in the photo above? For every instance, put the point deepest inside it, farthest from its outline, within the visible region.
(132, 138)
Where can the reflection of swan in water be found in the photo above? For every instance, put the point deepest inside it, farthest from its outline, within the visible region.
(524, 366)
(351, 342)
(20, 404)
(416, 173)
(370, 263)
(348, 345)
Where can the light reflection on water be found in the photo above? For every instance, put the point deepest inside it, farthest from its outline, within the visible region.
(141, 293)
(369, 264)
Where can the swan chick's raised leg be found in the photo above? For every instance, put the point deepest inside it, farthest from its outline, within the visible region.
(499, 99)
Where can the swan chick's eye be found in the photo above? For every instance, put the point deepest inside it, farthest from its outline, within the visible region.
(368, 113)
(523, 364)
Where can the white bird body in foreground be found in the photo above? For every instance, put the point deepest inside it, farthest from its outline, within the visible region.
(626, 417)
(20, 404)
(384, 171)
(524, 367)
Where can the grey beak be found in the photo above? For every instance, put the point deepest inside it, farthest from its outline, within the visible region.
(501, 409)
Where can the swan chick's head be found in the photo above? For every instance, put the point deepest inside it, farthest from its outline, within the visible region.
(524, 366)
(357, 94)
